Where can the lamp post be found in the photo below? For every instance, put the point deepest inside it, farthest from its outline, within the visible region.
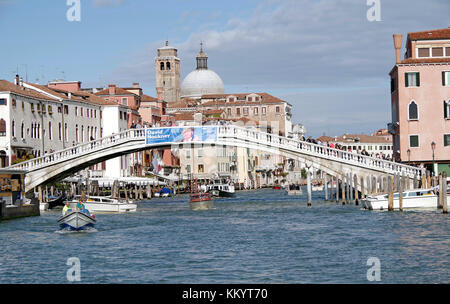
(433, 146)
(409, 155)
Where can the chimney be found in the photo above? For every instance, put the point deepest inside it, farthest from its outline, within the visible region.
(136, 85)
(16, 80)
(112, 89)
(398, 45)
(69, 95)
(21, 81)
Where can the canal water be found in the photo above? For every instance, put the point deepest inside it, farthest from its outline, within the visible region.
(257, 237)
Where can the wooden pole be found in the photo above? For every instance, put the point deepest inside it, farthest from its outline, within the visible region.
(308, 186)
(331, 188)
(343, 190)
(325, 186)
(400, 194)
(391, 193)
(355, 187)
(39, 194)
(441, 196)
(444, 192)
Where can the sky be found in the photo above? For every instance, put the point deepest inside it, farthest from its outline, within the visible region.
(324, 57)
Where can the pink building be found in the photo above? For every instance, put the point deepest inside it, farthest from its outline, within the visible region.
(420, 100)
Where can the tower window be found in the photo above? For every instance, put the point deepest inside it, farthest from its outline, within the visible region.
(162, 66)
(167, 65)
(412, 111)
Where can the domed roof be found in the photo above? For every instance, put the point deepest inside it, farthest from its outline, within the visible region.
(200, 82)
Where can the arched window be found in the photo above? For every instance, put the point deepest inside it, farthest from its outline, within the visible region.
(22, 131)
(167, 65)
(50, 131)
(413, 113)
(13, 129)
(162, 66)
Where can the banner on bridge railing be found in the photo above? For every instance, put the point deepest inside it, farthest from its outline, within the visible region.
(181, 134)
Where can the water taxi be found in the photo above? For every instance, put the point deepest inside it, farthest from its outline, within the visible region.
(105, 204)
(221, 189)
(412, 199)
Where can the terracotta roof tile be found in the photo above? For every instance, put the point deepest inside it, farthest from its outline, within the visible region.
(119, 91)
(425, 60)
(430, 35)
(11, 87)
(148, 98)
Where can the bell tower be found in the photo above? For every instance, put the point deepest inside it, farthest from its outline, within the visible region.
(167, 67)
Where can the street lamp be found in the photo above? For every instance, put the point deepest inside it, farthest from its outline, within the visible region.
(433, 146)
(409, 155)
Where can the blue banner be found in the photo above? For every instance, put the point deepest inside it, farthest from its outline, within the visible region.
(182, 134)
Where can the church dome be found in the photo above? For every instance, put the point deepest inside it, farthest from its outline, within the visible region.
(201, 81)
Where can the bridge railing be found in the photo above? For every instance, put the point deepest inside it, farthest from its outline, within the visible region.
(350, 158)
(80, 149)
(236, 133)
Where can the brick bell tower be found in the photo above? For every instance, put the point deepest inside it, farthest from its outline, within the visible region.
(167, 67)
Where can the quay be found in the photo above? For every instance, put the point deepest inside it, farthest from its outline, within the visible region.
(12, 196)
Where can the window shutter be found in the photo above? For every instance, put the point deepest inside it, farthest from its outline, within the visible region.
(418, 79)
(406, 80)
(445, 109)
(443, 78)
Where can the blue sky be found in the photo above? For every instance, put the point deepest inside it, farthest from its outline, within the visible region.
(322, 56)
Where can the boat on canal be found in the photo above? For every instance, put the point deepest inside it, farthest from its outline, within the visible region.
(77, 220)
(220, 188)
(294, 190)
(199, 200)
(164, 192)
(412, 199)
(105, 204)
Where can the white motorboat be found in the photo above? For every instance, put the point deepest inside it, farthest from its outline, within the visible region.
(105, 204)
(412, 199)
(317, 188)
(221, 189)
(294, 190)
(77, 220)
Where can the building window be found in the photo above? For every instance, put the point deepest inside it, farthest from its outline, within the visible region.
(437, 52)
(423, 52)
(125, 101)
(59, 131)
(167, 65)
(65, 132)
(229, 111)
(277, 109)
(414, 141)
(413, 111)
(92, 112)
(447, 51)
(245, 111)
(161, 66)
(76, 111)
(23, 105)
(446, 78)
(82, 133)
(200, 153)
(22, 131)
(447, 109)
(81, 112)
(238, 111)
(255, 111)
(13, 129)
(66, 110)
(50, 131)
(412, 79)
(446, 140)
(393, 84)
(188, 169)
(76, 133)
(50, 109)
(14, 103)
(250, 99)
(263, 110)
(2, 101)
(201, 168)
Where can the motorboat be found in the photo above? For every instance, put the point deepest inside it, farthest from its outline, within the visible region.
(105, 204)
(294, 190)
(164, 192)
(200, 201)
(221, 189)
(412, 199)
(276, 187)
(317, 188)
(75, 220)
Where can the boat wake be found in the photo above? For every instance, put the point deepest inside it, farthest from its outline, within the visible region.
(69, 231)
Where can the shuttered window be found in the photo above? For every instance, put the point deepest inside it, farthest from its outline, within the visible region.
(412, 79)
(2, 127)
(446, 140)
(414, 141)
